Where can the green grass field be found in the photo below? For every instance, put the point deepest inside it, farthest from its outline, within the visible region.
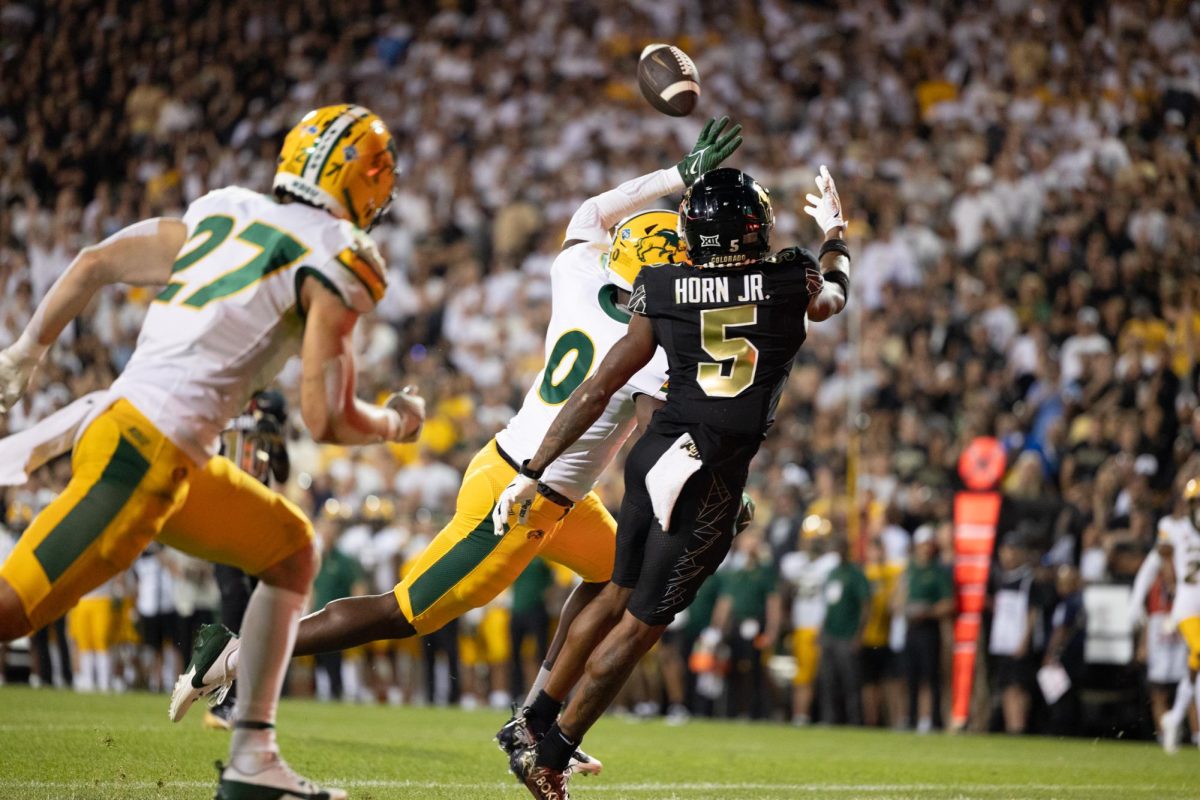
(62, 745)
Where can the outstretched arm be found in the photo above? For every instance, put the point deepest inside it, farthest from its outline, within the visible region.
(835, 255)
(591, 222)
(331, 411)
(632, 352)
(140, 255)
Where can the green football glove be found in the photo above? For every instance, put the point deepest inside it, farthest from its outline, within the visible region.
(711, 149)
(745, 514)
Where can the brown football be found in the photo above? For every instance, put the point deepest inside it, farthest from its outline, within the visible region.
(669, 79)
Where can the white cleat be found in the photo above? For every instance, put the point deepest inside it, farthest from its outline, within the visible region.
(1170, 733)
(208, 674)
(274, 781)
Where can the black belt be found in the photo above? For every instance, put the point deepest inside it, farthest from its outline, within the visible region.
(558, 498)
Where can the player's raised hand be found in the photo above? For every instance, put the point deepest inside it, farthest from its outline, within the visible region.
(826, 209)
(17, 365)
(518, 495)
(411, 408)
(714, 145)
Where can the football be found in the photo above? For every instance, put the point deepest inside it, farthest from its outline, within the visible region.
(668, 79)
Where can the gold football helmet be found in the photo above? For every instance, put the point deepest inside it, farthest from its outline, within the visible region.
(342, 159)
(644, 239)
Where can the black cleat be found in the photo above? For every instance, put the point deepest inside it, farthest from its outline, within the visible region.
(542, 782)
(516, 734)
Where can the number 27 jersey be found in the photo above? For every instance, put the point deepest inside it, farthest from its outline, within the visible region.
(230, 316)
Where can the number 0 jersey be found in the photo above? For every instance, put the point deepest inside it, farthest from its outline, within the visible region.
(730, 336)
(585, 323)
(230, 317)
(1184, 540)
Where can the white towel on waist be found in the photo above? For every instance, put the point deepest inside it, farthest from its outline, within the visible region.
(22, 453)
(665, 480)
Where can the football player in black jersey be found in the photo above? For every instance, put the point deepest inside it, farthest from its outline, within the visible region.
(731, 323)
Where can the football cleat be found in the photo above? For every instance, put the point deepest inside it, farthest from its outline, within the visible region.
(220, 716)
(542, 782)
(516, 735)
(275, 781)
(1170, 733)
(208, 674)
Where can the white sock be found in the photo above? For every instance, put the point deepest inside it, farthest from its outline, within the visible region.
(268, 634)
(539, 683)
(104, 671)
(85, 680)
(1183, 699)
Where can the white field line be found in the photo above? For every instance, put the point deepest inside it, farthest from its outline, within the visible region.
(598, 786)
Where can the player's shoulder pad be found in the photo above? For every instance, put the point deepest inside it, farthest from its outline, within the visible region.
(356, 271)
(793, 256)
(226, 200)
(641, 300)
(794, 267)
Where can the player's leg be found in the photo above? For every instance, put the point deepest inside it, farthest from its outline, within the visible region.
(126, 479)
(585, 543)
(464, 567)
(231, 518)
(674, 565)
(1189, 629)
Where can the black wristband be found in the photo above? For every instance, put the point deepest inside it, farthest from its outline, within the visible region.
(840, 278)
(533, 474)
(834, 246)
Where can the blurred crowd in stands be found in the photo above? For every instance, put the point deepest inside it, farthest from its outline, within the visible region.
(1022, 182)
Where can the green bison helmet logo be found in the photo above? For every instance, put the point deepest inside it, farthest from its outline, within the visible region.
(659, 247)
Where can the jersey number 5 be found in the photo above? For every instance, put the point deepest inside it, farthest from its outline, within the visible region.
(721, 379)
(275, 250)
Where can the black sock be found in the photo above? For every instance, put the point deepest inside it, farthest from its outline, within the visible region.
(555, 749)
(542, 714)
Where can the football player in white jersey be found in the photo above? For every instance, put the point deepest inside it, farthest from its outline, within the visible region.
(249, 280)
(470, 562)
(1178, 542)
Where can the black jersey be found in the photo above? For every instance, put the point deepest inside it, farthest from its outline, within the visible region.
(731, 336)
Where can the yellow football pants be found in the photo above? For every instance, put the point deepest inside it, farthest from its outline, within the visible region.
(465, 565)
(1189, 629)
(129, 485)
(807, 650)
(93, 624)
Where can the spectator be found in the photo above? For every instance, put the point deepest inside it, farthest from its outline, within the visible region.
(748, 613)
(847, 607)
(879, 668)
(806, 570)
(927, 600)
(340, 576)
(530, 620)
(1017, 633)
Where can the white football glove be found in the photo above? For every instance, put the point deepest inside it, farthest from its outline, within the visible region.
(411, 408)
(519, 493)
(17, 365)
(826, 209)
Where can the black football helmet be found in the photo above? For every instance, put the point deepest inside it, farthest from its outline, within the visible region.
(255, 441)
(726, 218)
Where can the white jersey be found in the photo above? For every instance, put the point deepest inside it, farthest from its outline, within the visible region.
(807, 575)
(585, 323)
(229, 319)
(1184, 539)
